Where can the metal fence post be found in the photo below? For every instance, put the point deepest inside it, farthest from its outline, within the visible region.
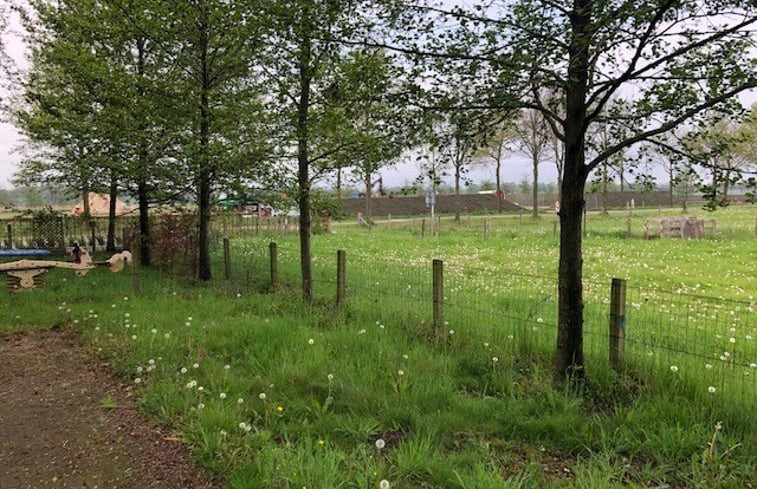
(617, 323)
(438, 294)
(341, 275)
(274, 265)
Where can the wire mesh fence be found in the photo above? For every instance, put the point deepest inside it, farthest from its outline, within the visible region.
(683, 341)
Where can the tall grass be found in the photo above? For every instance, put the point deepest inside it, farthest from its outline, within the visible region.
(272, 392)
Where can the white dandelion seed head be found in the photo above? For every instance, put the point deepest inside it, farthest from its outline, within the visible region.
(133, 337)
(201, 406)
(708, 366)
(195, 365)
(330, 377)
(183, 370)
(151, 361)
(139, 370)
(311, 341)
(400, 372)
(262, 396)
(380, 443)
(153, 331)
(137, 380)
(222, 395)
(226, 367)
(495, 359)
(384, 484)
(711, 389)
(240, 401)
(673, 368)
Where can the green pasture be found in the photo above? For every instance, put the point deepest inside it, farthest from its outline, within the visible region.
(271, 392)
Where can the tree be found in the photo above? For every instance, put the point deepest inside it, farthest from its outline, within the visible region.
(303, 44)
(214, 45)
(670, 61)
(371, 126)
(531, 135)
(495, 149)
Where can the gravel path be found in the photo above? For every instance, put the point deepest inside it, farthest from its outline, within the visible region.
(59, 429)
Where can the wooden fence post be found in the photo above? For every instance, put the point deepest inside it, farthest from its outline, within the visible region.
(341, 275)
(438, 301)
(423, 227)
(10, 236)
(628, 227)
(274, 265)
(226, 258)
(617, 323)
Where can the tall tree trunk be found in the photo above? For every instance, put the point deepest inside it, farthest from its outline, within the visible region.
(605, 182)
(110, 243)
(303, 161)
(726, 185)
(339, 184)
(457, 193)
(142, 188)
(569, 358)
(86, 211)
(204, 271)
(498, 178)
(368, 200)
(535, 197)
(144, 223)
(621, 171)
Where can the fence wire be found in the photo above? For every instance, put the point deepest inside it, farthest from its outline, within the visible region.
(706, 342)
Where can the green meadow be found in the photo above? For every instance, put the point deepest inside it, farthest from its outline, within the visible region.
(272, 392)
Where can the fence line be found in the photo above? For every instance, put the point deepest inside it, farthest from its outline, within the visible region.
(706, 340)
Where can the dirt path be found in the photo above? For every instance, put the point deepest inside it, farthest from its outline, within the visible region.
(56, 433)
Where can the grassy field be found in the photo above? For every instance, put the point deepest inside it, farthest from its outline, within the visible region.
(274, 393)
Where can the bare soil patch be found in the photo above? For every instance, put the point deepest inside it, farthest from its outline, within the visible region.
(65, 423)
